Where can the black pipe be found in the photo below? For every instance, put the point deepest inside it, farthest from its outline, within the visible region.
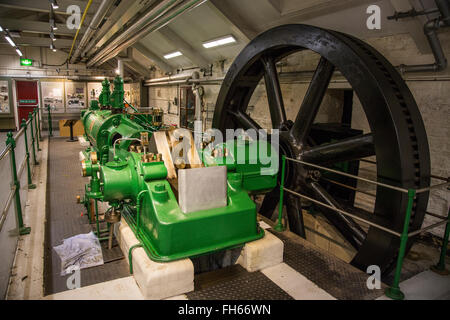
(444, 8)
(430, 29)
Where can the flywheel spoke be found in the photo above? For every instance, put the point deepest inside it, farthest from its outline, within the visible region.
(346, 225)
(312, 101)
(244, 120)
(295, 216)
(344, 150)
(274, 96)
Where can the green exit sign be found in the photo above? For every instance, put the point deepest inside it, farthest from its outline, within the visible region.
(26, 62)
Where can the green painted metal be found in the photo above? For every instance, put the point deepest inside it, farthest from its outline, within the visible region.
(39, 124)
(279, 226)
(36, 133)
(117, 102)
(124, 178)
(12, 143)
(167, 233)
(33, 141)
(27, 155)
(103, 128)
(130, 255)
(394, 291)
(50, 127)
(105, 95)
(255, 162)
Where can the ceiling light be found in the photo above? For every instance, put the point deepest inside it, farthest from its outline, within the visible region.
(19, 52)
(117, 71)
(219, 42)
(52, 36)
(54, 4)
(10, 41)
(1, 29)
(53, 24)
(173, 55)
(52, 47)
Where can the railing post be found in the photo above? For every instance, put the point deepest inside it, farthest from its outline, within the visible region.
(12, 143)
(39, 124)
(50, 129)
(30, 116)
(27, 155)
(36, 134)
(394, 291)
(279, 226)
(440, 267)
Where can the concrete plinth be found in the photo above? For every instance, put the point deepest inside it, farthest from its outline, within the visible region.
(156, 280)
(260, 254)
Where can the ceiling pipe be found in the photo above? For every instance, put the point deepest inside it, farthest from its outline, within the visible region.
(430, 30)
(93, 26)
(154, 13)
(173, 10)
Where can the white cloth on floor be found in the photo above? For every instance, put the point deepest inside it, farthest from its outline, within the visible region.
(83, 251)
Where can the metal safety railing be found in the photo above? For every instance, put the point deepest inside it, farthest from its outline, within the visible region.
(20, 153)
(393, 291)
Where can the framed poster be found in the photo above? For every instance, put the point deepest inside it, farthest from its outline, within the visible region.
(94, 90)
(53, 95)
(4, 97)
(75, 96)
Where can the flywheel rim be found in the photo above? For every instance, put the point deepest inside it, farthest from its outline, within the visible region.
(387, 102)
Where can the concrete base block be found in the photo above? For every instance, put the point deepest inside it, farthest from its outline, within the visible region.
(261, 254)
(156, 280)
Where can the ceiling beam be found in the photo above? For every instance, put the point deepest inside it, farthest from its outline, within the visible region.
(39, 42)
(44, 6)
(224, 9)
(181, 45)
(152, 56)
(137, 67)
(36, 27)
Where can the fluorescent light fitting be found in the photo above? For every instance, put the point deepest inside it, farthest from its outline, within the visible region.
(19, 52)
(10, 41)
(173, 55)
(54, 4)
(219, 42)
(52, 36)
(53, 24)
(1, 29)
(52, 47)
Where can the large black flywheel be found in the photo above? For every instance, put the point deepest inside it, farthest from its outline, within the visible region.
(397, 139)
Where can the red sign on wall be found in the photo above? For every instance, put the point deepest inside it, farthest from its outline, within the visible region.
(27, 98)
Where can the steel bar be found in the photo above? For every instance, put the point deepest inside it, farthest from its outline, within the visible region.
(343, 212)
(436, 186)
(27, 157)
(349, 187)
(432, 226)
(349, 175)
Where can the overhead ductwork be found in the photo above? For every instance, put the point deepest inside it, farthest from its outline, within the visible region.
(93, 26)
(159, 16)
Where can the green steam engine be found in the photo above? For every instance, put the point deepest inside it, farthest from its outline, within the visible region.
(180, 202)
